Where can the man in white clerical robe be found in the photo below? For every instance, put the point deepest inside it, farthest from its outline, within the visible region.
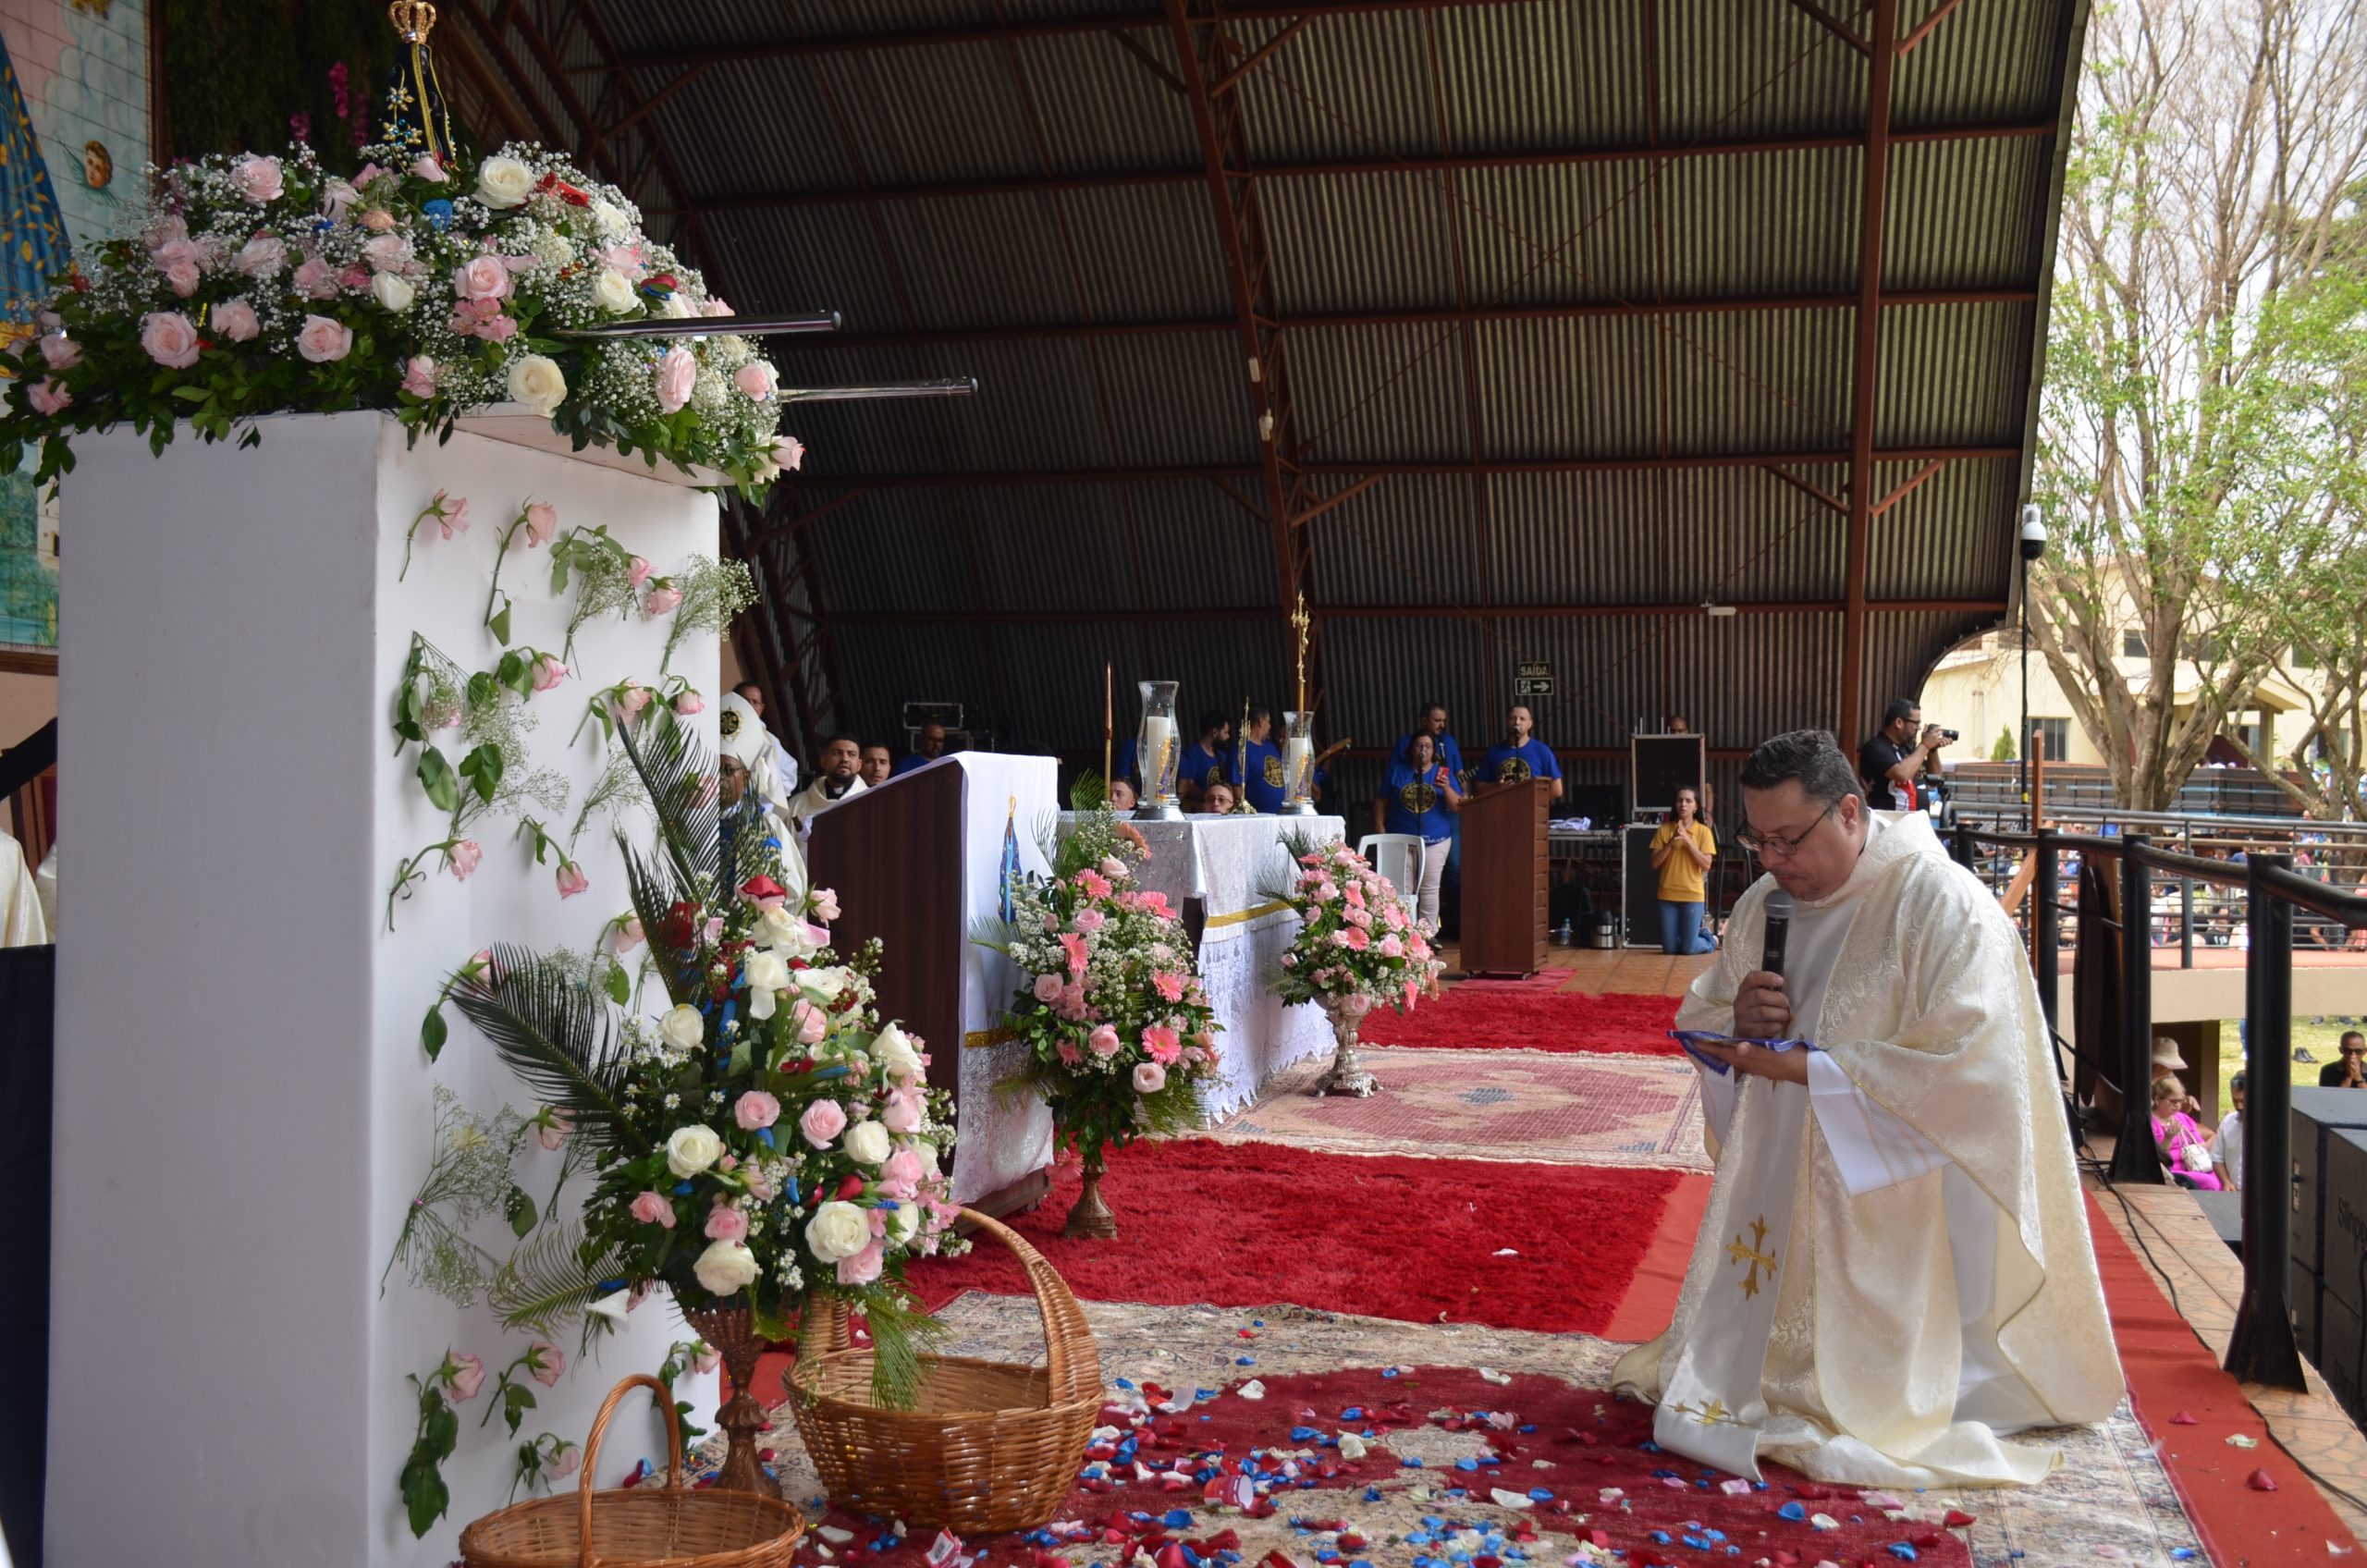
(1894, 1270)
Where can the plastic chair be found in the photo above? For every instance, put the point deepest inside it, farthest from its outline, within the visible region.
(1396, 856)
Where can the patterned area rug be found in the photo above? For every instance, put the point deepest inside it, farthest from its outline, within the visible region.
(1530, 1015)
(2109, 1501)
(1589, 1110)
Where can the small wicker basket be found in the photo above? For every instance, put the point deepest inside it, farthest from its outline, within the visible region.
(637, 1524)
(990, 1446)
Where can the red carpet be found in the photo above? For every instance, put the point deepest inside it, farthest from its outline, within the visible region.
(1490, 1015)
(2171, 1374)
(1249, 1224)
(1664, 1511)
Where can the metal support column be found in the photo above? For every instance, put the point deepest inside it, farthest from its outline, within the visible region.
(2262, 1349)
(2134, 1157)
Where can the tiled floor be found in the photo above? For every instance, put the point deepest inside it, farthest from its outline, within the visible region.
(2209, 1282)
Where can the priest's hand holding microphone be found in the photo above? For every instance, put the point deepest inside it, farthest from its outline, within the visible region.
(1761, 1009)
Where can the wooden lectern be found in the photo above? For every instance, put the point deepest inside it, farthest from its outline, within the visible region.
(897, 858)
(1503, 878)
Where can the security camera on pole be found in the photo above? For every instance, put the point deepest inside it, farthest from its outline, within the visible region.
(2033, 546)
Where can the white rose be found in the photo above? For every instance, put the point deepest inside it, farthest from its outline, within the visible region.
(903, 1221)
(768, 977)
(725, 1268)
(927, 1151)
(614, 292)
(838, 1229)
(822, 984)
(393, 291)
(785, 932)
(678, 305)
(609, 217)
(692, 1149)
(683, 1028)
(867, 1143)
(537, 383)
(504, 182)
(894, 1049)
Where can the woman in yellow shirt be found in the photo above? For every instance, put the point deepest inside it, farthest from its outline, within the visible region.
(1682, 852)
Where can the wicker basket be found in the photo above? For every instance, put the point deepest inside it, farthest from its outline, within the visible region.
(990, 1447)
(637, 1524)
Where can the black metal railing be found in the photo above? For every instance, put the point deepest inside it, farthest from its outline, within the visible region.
(2262, 1348)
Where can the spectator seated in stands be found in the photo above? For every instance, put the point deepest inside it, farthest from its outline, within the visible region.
(2186, 1151)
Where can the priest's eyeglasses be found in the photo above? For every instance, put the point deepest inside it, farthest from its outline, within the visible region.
(1765, 845)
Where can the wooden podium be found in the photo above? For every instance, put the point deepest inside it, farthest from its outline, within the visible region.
(915, 862)
(1504, 879)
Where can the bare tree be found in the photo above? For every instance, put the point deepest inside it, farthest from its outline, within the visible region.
(2215, 150)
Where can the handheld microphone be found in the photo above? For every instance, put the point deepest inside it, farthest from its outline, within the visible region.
(1779, 930)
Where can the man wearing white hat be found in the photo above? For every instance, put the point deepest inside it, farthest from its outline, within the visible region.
(2168, 1063)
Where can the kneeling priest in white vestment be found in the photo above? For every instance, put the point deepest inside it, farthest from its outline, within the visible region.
(1894, 1271)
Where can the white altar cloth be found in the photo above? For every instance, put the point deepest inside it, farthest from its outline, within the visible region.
(1224, 861)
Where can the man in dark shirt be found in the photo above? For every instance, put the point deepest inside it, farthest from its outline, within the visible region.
(1206, 761)
(2351, 1071)
(1897, 754)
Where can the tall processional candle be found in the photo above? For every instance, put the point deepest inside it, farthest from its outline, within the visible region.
(1298, 763)
(1157, 754)
(1109, 727)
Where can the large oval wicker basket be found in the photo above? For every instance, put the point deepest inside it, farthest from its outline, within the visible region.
(637, 1524)
(990, 1446)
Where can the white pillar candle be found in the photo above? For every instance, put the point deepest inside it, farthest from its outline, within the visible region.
(1298, 766)
(1159, 756)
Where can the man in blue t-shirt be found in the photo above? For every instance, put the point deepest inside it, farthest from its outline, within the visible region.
(1207, 759)
(1433, 724)
(1520, 757)
(1263, 789)
(931, 747)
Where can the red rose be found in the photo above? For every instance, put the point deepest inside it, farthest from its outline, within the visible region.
(849, 1187)
(763, 886)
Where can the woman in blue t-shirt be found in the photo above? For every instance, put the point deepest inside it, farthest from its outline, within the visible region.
(1419, 800)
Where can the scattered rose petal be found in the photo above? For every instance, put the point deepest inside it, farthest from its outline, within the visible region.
(2260, 1481)
(2184, 1418)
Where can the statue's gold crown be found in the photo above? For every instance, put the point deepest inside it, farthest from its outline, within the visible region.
(413, 19)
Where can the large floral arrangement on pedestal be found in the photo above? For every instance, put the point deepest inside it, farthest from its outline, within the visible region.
(1356, 941)
(764, 1139)
(255, 285)
(1120, 1034)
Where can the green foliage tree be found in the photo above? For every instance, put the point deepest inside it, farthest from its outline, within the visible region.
(2004, 750)
(2189, 457)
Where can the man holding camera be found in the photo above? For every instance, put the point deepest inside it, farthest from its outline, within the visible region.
(1898, 755)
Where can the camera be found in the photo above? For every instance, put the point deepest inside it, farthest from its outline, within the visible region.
(1949, 736)
(2033, 535)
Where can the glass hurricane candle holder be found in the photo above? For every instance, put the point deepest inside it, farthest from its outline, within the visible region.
(1159, 752)
(1298, 763)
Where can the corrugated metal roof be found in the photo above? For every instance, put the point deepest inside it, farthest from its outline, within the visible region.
(1513, 81)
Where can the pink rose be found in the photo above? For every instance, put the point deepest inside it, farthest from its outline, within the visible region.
(236, 319)
(633, 699)
(481, 277)
(549, 670)
(47, 398)
(451, 516)
(183, 278)
(725, 1223)
(812, 1022)
(541, 522)
(637, 571)
(1103, 1042)
(1090, 920)
(386, 253)
(629, 934)
(822, 1120)
(902, 1113)
(678, 374)
(426, 167)
(552, 1134)
(789, 452)
(1391, 947)
(545, 1362)
(1149, 1078)
(1114, 868)
(1048, 988)
(715, 308)
(902, 1175)
(690, 703)
(571, 879)
(258, 179)
(60, 351)
(705, 1359)
(171, 339)
(263, 256)
(864, 1267)
(755, 379)
(377, 220)
(755, 1109)
(1161, 1042)
(464, 856)
(664, 599)
(324, 340)
(419, 376)
(826, 903)
(315, 279)
(564, 1463)
(466, 1377)
(654, 1208)
(498, 329)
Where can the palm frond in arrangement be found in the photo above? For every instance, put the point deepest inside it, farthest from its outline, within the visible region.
(557, 1032)
(901, 1335)
(679, 779)
(548, 1283)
